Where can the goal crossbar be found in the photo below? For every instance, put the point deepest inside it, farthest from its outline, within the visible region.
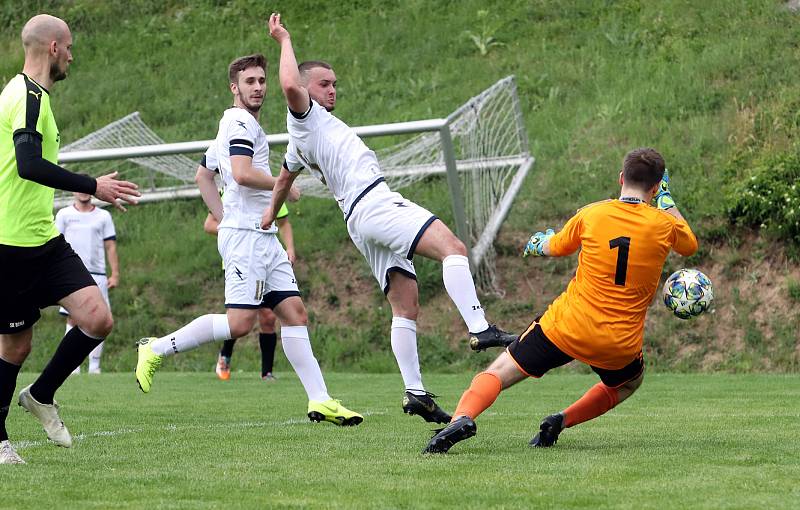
(481, 148)
(165, 149)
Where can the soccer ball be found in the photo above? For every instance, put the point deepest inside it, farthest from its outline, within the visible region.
(688, 293)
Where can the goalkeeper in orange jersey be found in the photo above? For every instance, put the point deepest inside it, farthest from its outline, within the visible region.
(599, 319)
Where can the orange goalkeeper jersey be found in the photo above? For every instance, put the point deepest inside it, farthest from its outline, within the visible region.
(599, 319)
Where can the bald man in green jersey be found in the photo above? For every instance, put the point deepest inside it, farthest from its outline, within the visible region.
(37, 266)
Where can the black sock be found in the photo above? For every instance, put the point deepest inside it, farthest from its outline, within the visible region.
(8, 382)
(267, 342)
(73, 349)
(227, 348)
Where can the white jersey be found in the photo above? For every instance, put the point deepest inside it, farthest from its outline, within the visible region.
(240, 134)
(210, 159)
(86, 233)
(333, 153)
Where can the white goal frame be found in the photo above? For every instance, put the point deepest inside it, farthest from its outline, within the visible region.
(477, 247)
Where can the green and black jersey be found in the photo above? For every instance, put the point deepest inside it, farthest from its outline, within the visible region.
(26, 207)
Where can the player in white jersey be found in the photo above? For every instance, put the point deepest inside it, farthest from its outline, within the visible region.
(267, 337)
(257, 269)
(90, 231)
(388, 229)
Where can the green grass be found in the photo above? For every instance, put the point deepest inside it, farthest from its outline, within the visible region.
(684, 441)
(709, 84)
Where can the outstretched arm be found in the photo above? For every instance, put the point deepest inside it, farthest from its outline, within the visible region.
(673, 211)
(296, 94)
(282, 190)
(33, 167)
(685, 241)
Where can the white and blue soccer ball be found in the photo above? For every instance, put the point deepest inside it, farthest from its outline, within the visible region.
(688, 293)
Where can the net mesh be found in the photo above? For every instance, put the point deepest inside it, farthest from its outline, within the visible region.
(490, 148)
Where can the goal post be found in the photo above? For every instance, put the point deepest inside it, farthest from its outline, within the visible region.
(482, 147)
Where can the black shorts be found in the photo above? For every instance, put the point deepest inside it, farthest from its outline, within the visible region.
(535, 354)
(35, 278)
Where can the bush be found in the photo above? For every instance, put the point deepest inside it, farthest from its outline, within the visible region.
(770, 197)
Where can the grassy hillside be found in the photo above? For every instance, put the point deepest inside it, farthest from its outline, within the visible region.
(712, 85)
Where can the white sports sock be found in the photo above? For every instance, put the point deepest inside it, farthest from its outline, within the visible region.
(297, 348)
(461, 288)
(208, 328)
(404, 346)
(94, 357)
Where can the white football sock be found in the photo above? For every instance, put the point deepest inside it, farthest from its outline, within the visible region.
(208, 328)
(404, 346)
(94, 357)
(297, 348)
(461, 288)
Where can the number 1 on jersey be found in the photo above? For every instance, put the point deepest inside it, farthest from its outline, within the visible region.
(624, 245)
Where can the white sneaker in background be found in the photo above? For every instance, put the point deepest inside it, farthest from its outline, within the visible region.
(8, 455)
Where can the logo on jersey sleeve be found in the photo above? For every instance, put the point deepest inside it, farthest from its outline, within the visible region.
(315, 170)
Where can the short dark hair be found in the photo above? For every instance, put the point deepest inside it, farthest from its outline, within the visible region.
(643, 168)
(308, 65)
(242, 63)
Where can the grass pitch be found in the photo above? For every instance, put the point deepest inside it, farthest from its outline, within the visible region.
(684, 441)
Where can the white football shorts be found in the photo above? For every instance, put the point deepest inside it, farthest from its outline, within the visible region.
(257, 270)
(102, 281)
(386, 228)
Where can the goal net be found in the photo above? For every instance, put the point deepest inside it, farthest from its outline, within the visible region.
(489, 147)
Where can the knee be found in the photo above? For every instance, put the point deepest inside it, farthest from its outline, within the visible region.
(239, 327)
(17, 352)
(294, 314)
(23, 350)
(633, 385)
(107, 325)
(405, 305)
(100, 324)
(457, 247)
(299, 316)
(408, 310)
(266, 321)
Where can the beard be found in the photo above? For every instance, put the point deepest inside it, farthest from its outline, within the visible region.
(324, 103)
(56, 73)
(250, 106)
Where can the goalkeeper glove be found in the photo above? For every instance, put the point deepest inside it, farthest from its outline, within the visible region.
(535, 244)
(664, 197)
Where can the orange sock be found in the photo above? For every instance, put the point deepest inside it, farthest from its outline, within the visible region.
(479, 396)
(598, 400)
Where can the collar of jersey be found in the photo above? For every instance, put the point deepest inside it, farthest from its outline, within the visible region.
(36, 82)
